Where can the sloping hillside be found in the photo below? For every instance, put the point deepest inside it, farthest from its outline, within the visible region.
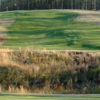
(53, 29)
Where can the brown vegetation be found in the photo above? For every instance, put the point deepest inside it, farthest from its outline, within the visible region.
(49, 71)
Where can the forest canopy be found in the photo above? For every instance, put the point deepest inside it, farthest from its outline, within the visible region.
(6, 5)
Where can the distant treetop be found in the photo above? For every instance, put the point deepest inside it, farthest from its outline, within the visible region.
(6, 5)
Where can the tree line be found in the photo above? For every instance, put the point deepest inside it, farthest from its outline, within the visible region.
(6, 5)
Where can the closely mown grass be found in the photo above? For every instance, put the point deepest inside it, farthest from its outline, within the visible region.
(17, 97)
(51, 30)
(94, 90)
(49, 72)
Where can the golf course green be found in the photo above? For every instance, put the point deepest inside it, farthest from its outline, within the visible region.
(50, 29)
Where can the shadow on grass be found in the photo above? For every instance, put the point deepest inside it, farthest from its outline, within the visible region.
(91, 46)
(61, 17)
(58, 36)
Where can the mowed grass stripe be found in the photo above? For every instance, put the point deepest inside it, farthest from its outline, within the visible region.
(9, 97)
(51, 30)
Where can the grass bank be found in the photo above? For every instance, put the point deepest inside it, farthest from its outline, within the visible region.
(51, 29)
(49, 72)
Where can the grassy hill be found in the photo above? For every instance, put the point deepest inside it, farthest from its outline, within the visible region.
(51, 30)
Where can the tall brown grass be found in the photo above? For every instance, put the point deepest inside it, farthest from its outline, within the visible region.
(26, 71)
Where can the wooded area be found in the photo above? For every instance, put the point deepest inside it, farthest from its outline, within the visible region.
(6, 5)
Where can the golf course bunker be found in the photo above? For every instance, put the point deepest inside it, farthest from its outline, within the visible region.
(87, 16)
(4, 23)
(3, 35)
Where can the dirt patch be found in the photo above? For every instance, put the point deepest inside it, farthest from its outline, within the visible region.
(4, 23)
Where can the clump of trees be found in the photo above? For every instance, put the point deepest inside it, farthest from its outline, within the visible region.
(48, 4)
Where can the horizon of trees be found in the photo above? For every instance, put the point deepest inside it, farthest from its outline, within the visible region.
(6, 5)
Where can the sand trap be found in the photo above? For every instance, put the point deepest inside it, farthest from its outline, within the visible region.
(86, 16)
(7, 21)
(3, 35)
(4, 23)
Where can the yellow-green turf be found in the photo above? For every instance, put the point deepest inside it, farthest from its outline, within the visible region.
(12, 97)
(50, 29)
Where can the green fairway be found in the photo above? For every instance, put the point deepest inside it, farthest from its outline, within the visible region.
(50, 29)
(5, 97)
